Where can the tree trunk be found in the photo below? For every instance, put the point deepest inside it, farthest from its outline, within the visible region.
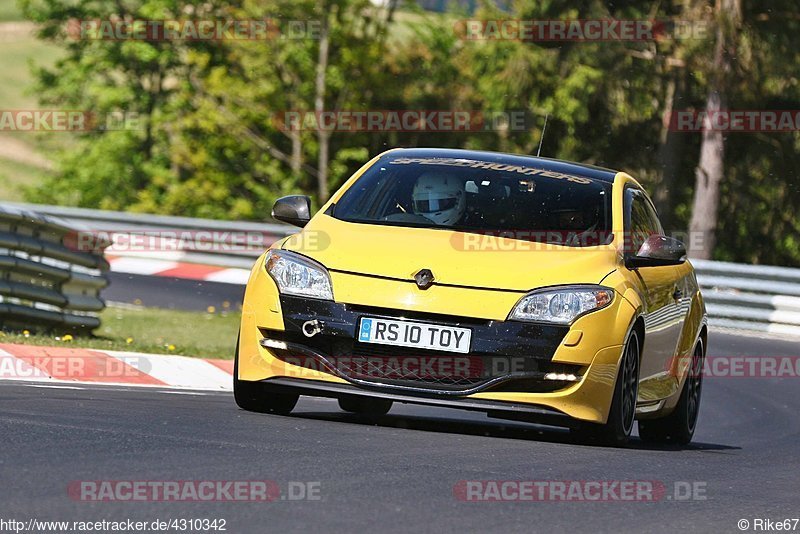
(296, 159)
(323, 136)
(669, 154)
(711, 168)
(708, 176)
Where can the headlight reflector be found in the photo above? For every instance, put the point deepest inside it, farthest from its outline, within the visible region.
(297, 275)
(561, 305)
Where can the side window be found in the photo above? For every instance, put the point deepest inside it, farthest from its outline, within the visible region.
(642, 221)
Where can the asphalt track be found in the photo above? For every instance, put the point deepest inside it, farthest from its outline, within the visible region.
(171, 293)
(397, 475)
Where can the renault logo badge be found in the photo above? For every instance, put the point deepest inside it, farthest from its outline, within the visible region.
(424, 279)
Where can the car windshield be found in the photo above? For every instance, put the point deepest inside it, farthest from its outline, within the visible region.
(492, 198)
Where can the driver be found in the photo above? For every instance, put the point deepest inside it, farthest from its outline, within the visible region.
(440, 198)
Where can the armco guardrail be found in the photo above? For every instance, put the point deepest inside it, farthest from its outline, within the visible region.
(45, 282)
(748, 297)
(205, 241)
(751, 297)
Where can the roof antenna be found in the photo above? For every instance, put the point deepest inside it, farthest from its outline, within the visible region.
(541, 139)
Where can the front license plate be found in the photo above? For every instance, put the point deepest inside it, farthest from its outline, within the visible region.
(414, 334)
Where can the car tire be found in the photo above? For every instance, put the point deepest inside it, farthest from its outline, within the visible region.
(617, 430)
(679, 426)
(365, 406)
(256, 397)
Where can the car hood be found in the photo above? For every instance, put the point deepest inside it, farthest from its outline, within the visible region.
(455, 258)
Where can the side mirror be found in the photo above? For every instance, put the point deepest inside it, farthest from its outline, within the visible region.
(658, 251)
(294, 209)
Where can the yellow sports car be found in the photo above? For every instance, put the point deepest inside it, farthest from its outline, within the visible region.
(527, 288)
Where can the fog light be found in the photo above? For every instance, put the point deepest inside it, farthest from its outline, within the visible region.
(273, 344)
(562, 377)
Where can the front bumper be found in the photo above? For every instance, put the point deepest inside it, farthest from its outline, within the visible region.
(270, 319)
(504, 356)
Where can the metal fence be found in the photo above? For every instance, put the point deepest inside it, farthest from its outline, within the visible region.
(44, 282)
(748, 297)
(204, 241)
(751, 297)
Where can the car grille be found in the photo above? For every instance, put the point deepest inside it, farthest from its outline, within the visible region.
(433, 370)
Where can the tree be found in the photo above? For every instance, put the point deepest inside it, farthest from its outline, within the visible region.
(711, 168)
(110, 168)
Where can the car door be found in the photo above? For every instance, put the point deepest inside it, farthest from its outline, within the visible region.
(662, 314)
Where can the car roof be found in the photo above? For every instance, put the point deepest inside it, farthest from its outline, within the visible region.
(547, 164)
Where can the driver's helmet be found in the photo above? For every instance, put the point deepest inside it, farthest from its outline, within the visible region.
(440, 198)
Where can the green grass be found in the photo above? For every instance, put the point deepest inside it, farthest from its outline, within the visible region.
(151, 330)
(15, 177)
(17, 50)
(9, 11)
(402, 30)
(15, 72)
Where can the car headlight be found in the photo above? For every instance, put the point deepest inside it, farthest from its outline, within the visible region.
(561, 305)
(297, 275)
